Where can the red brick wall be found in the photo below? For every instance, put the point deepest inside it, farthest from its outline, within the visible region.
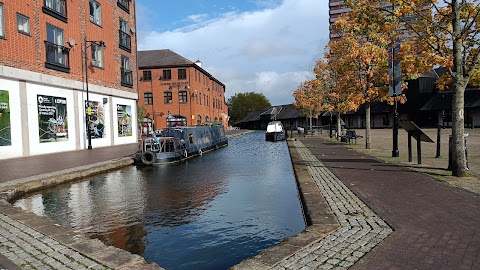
(198, 89)
(28, 52)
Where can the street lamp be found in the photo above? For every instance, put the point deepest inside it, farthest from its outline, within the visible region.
(88, 111)
(395, 84)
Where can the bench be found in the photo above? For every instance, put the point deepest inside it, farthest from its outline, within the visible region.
(350, 135)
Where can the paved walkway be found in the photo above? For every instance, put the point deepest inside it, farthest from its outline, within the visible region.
(436, 226)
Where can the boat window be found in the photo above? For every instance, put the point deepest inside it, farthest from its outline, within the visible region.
(167, 146)
(190, 138)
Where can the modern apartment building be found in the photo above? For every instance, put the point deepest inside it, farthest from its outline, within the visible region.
(54, 56)
(336, 9)
(176, 91)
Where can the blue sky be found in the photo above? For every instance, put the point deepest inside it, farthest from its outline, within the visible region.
(264, 46)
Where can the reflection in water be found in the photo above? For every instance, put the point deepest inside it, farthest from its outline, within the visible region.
(209, 213)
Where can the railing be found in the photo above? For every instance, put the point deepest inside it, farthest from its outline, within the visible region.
(126, 77)
(125, 41)
(56, 8)
(124, 4)
(57, 57)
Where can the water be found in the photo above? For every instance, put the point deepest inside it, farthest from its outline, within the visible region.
(209, 213)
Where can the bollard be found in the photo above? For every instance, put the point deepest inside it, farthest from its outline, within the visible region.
(439, 128)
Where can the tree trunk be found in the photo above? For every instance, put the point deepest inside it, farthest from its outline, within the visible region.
(368, 141)
(458, 129)
(458, 103)
(311, 117)
(339, 126)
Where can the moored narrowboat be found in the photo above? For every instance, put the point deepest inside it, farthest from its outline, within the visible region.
(180, 143)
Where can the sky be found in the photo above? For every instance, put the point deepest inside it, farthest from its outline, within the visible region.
(262, 46)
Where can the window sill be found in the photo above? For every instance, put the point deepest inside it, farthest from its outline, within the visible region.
(125, 48)
(57, 67)
(99, 25)
(126, 9)
(54, 14)
(127, 84)
(24, 33)
(99, 67)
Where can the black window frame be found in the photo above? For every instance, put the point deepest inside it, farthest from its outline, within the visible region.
(97, 48)
(126, 73)
(53, 48)
(28, 20)
(2, 21)
(124, 38)
(167, 74)
(124, 4)
(147, 75)
(62, 16)
(167, 97)
(148, 98)
(182, 73)
(182, 96)
(92, 17)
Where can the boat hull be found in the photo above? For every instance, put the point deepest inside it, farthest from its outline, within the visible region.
(176, 145)
(275, 136)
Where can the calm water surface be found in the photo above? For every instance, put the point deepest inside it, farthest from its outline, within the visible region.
(209, 213)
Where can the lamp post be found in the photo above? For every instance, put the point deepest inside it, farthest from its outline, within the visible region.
(395, 46)
(88, 110)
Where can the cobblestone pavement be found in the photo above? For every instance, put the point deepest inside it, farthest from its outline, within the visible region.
(361, 229)
(30, 249)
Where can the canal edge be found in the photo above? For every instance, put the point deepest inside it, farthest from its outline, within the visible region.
(318, 216)
(360, 229)
(66, 240)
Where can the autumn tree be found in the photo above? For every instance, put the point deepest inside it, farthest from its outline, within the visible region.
(440, 32)
(242, 104)
(308, 99)
(365, 58)
(339, 98)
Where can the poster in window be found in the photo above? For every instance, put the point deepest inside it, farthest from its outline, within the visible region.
(124, 115)
(5, 127)
(52, 119)
(97, 119)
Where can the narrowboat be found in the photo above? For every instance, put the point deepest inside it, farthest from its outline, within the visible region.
(172, 145)
(275, 131)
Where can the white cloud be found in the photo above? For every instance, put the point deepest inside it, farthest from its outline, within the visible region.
(197, 18)
(269, 51)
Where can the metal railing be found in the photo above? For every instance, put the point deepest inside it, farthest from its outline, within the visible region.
(126, 77)
(57, 55)
(125, 40)
(124, 4)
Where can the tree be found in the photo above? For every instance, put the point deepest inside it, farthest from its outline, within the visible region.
(366, 59)
(141, 113)
(440, 32)
(331, 75)
(242, 104)
(308, 99)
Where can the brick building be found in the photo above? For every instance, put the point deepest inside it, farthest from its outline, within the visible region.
(48, 50)
(176, 91)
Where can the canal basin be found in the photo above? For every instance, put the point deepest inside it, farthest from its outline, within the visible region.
(209, 213)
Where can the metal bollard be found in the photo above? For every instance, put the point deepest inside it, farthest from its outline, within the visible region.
(439, 128)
